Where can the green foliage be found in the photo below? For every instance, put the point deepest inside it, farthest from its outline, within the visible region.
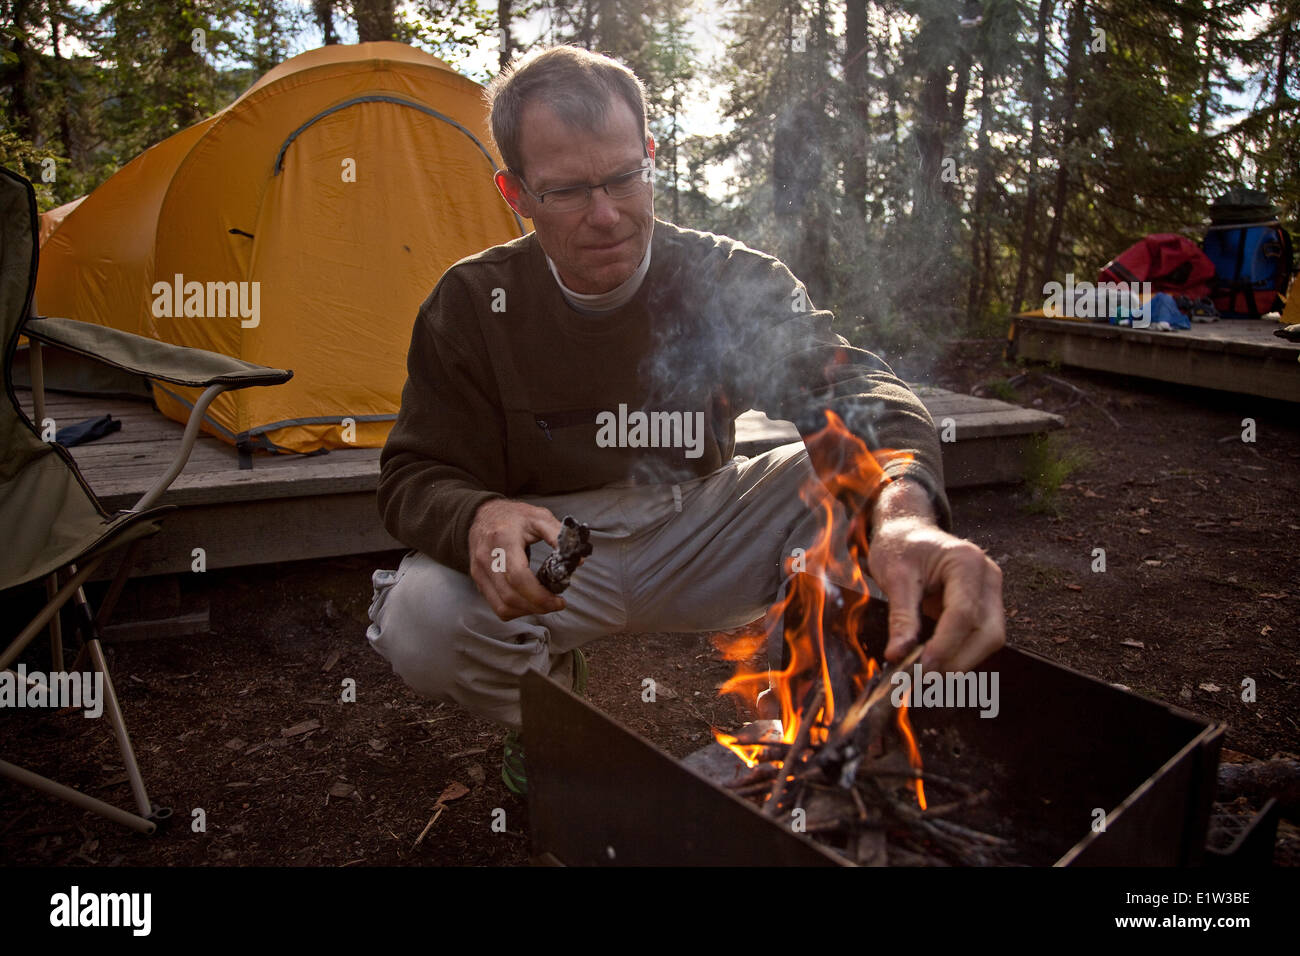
(94, 83)
(449, 29)
(923, 178)
(31, 161)
(1003, 389)
(1049, 461)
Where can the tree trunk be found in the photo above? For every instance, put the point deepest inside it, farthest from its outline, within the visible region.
(507, 52)
(934, 206)
(323, 13)
(23, 102)
(375, 20)
(957, 119)
(788, 136)
(71, 148)
(981, 268)
(857, 37)
(1037, 85)
(929, 139)
(1073, 63)
(814, 260)
(891, 111)
(674, 144)
(609, 29)
(1205, 92)
(1276, 175)
(937, 122)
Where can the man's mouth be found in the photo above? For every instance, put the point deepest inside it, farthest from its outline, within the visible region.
(606, 247)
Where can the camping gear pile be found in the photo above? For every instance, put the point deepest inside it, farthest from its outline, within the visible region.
(1239, 271)
(1251, 252)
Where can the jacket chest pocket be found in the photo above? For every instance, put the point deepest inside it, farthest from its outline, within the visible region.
(551, 422)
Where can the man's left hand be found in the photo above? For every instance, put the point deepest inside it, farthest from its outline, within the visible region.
(922, 567)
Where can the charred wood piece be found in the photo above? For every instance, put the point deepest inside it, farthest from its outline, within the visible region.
(564, 560)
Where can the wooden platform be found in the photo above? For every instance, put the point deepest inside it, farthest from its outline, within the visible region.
(1231, 355)
(293, 507)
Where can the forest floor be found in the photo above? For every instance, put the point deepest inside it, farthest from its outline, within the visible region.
(246, 725)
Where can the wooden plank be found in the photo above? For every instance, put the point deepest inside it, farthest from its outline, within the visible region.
(177, 625)
(956, 405)
(1012, 420)
(972, 418)
(123, 466)
(988, 448)
(1245, 357)
(244, 533)
(290, 507)
(1243, 336)
(358, 471)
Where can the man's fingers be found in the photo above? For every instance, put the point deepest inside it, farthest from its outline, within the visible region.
(991, 631)
(951, 580)
(508, 603)
(499, 538)
(544, 526)
(513, 591)
(529, 591)
(971, 625)
(903, 588)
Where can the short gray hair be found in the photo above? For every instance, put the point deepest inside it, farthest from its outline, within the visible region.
(576, 83)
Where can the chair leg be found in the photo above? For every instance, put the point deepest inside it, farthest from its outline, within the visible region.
(147, 819)
(112, 708)
(76, 797)
(37, 624)
(114, 712)
(109, 603)
(56, 624)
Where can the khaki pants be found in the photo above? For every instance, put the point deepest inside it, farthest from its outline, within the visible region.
(704, 555)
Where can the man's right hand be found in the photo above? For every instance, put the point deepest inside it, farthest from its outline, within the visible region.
(511, 526)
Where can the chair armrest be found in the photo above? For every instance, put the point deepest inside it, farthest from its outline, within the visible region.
(143, 356)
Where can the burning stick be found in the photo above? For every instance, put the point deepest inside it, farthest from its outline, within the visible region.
(564, 560)
(870, 697)
(790, 765)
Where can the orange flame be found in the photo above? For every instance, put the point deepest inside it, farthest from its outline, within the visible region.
(846, 472)
(913, 752)
(746, 752)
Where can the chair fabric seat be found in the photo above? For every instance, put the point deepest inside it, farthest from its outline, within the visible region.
(50, 519)
(177, 364)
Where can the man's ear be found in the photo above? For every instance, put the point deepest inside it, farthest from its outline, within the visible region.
(511, 190)
(650, 146)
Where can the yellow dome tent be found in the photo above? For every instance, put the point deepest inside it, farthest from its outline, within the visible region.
(300, 227)
(1291, 313)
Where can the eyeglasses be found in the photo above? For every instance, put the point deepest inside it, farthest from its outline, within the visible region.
(572, 198)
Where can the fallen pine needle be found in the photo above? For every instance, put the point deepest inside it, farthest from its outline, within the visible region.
(428, 826)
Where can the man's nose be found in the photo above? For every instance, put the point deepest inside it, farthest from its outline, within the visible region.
(603, 210)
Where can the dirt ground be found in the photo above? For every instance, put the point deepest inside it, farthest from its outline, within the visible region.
(246, 724)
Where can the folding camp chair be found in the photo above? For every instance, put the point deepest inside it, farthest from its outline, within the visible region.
(52, 525)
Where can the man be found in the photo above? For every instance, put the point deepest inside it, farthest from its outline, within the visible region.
(528, 367)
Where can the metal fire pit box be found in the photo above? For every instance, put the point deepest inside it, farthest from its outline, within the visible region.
(1062, 746)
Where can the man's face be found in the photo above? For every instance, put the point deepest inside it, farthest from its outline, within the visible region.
(598, 247)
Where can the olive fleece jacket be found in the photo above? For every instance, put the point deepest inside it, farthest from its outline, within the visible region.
(512, 392)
